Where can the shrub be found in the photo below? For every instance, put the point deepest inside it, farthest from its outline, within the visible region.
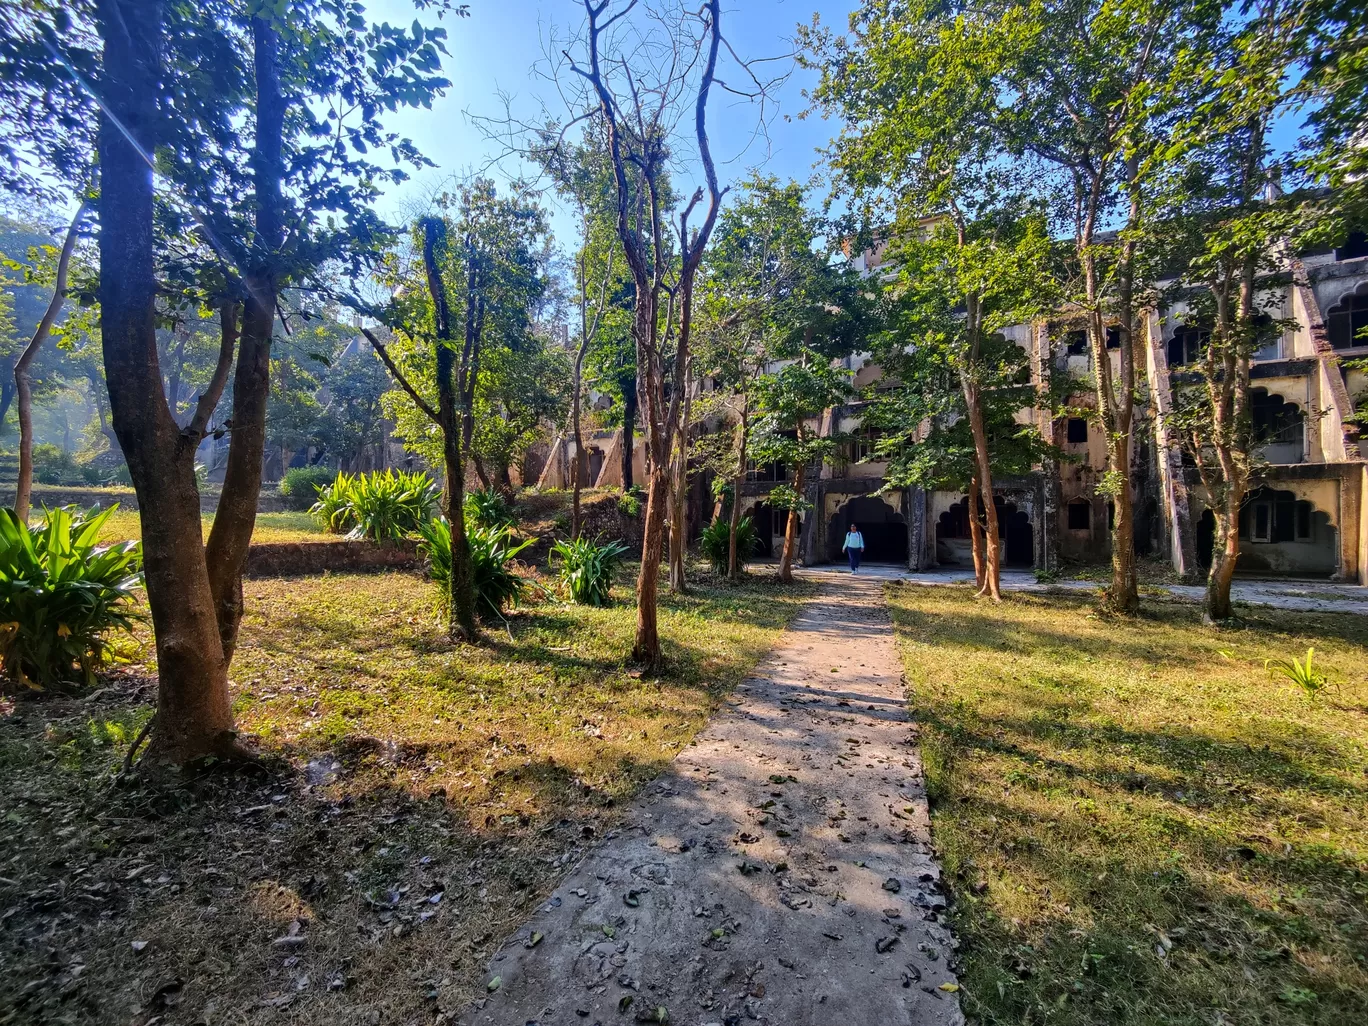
(487, 507)
(62, 594)
(491, 557)
(629, 502)
(382, 506)
(587, 568)
(716, 543)
(53, 465)
(300, 485)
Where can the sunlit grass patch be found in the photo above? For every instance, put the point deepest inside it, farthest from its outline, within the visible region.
(270, 527)
(1140, 824)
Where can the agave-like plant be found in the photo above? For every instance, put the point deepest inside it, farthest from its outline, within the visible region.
(62, 593)
(386, 505)
(1304, 675)
(716, 543)
(487, 507)
(491, 556)
(587, 568)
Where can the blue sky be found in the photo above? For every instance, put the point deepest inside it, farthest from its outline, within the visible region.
(494, 50)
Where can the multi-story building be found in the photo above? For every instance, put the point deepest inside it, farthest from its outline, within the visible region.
(1304, 514)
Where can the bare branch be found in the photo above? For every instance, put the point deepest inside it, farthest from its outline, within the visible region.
(398, 375)
(209, 400)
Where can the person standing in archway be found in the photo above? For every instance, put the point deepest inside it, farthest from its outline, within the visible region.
(854, 547)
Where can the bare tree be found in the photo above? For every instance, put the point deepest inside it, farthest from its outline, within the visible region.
(588, 331)
(638, 117)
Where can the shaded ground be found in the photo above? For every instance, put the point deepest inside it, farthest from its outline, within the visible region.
(423, 798)
(1140, 827)
(779, 874)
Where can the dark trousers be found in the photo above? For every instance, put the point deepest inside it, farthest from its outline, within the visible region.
(854, 555)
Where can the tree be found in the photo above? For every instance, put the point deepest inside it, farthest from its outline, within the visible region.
(353, 420)
(441, 346)
(1095, 88)
(920, 156)
(637, 117)
(276, 111)
(521, 388)
(766, 284)
(583, 175)
(786, 400)
(1230, 230)
(22, 366)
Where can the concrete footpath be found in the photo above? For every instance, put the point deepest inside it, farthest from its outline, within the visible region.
(781, 874)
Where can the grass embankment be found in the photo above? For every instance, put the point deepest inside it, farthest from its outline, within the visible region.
(425, 797)
(270, 528)
(1138, 824)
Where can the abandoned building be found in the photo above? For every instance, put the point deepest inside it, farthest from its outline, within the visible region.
(1304, 513)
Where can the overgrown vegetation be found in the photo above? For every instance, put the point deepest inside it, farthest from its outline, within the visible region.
(431, 795)
(488, 507)
(716, 543)
(1144, 828)
(385, 505)
(300, 485)
(62, 594)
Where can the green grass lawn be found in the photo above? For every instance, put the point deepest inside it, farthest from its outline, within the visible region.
(1138, 824)
(270, 527)
(418, 800)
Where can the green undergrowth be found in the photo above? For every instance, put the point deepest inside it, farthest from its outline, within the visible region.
(1139, 824)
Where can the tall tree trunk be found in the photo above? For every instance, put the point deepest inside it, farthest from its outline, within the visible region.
(1224, 555)
(1228, 392)
(991, 582)
(194, 714)
(577, 464)
(679, 514)
(646, 648)
(742, 430)
(454, 421)
(629, 416)
(976, 545)
(235, 520)
(795, 521)
(23, 391)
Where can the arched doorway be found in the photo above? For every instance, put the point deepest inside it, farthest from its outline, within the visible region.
(1282, 534)
(953, 542)
(884, 530)
(1279, 534)
(769, 529)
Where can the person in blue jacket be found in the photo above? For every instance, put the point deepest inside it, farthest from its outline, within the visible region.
(854, 547)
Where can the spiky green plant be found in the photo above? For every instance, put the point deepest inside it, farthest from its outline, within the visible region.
(491, 557)
(587, 568)
(488, 507)
(61, 594)
(1303, 674)
(385, 505)
(716, 543)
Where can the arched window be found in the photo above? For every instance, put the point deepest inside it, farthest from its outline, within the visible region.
(1080, 515)
(1347, 321)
